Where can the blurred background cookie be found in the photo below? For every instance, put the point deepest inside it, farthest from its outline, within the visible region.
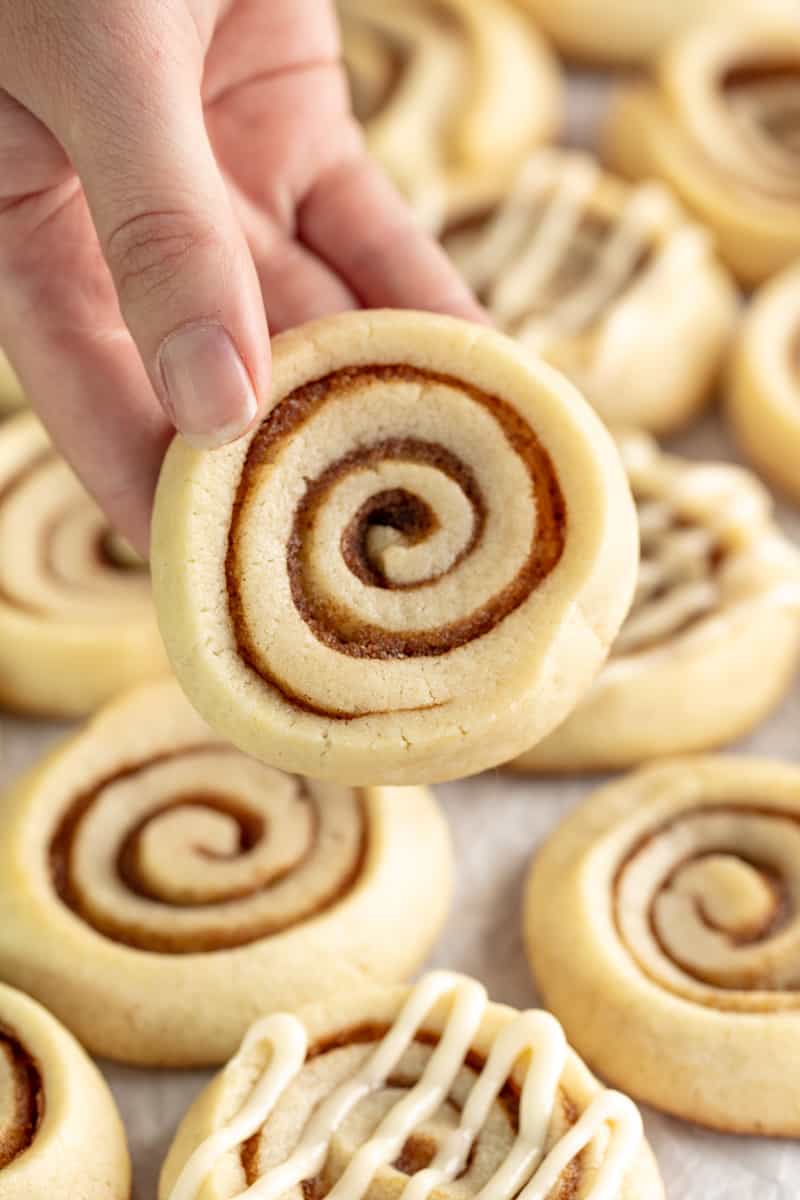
(719, 122)
(611, 283)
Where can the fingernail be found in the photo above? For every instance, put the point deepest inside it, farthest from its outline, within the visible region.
(209, 396)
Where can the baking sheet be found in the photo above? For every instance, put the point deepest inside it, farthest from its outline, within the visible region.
(497, 822)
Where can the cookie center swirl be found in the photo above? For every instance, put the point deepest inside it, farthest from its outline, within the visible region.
(21, 1098)
(205, 849)
(713, 898)
(763, 101)
(67, 567)
(368, 523)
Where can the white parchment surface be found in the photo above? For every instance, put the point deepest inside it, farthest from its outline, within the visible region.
(497, 823)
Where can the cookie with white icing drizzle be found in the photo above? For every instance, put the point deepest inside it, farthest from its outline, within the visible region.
(77, 622)
(449, 91)
(628, 31)
(663, 928)
(720, 122)
(712, 641)
(413, 1093)
(764, 385)
(584, 269)
(60, 1134)
(421, 553)
(198, 889)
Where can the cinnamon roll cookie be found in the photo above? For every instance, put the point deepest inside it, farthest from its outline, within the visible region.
(712, 641)
(76, 618)
(663, 927)
(720, 121)
(159, 890)
(585, 269)
(764, 391)
(421, 554)
(449, 91)
(429, 1091)
(628, 31)
(11, 394)
(60, 1134)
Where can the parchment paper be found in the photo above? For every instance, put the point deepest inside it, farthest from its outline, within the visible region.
(497, 822)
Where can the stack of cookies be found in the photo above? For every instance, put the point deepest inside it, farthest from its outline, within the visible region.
(445, 549)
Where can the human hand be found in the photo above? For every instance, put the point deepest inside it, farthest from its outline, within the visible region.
(164, 164)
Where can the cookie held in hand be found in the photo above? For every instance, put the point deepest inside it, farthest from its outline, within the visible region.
(159, 890)
(416, 560)
(413, 1092)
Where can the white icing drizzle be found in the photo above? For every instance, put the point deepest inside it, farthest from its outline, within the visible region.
(526, 1171)
(515, 259)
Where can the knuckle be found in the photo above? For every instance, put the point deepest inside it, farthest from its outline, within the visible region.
(148, 252)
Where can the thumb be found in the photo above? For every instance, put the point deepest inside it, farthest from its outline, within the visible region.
(184, 276)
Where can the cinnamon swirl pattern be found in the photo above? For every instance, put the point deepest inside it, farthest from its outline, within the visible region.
(584, 269)
(764, 386)
(409, 560)
(712, 641)
(60, 1134)
(432, 1090)
(11, 394)
(76, 618)
(663, 925)
(449, 91)
(720, 121)
(198, 888)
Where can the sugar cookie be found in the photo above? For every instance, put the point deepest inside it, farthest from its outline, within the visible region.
(425, 548)
(60, 1134)
(585, 269)
(720, 122)
(413, 1092)
(159, 890)
(76, 618)
(764, 390)
(449, 91)
(712, 641)
(663, 927)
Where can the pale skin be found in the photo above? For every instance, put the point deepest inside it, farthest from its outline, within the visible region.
(178, 177)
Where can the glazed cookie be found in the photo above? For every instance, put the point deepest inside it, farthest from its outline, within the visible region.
(159, 890)
(449, 90)
(422, 552)
(720, 121)
(60, 1134)
(11, 394)
(76, 618)
(584, 269)
(430, 1091)
(764, 390)
(712, 641)
(663, 925)
(628, 31)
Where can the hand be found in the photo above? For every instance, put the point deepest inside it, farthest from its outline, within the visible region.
(164, 164)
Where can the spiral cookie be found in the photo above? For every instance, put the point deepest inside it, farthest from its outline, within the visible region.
(159, 890)
(764, 390)
(430, 1091)
(449, 90)
(11, 394)
(662, 926)
(584, 269)
(423, 551)
(628, 31)
(712, 641)
(60, 1134)
(721, 122)
(76, 618)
